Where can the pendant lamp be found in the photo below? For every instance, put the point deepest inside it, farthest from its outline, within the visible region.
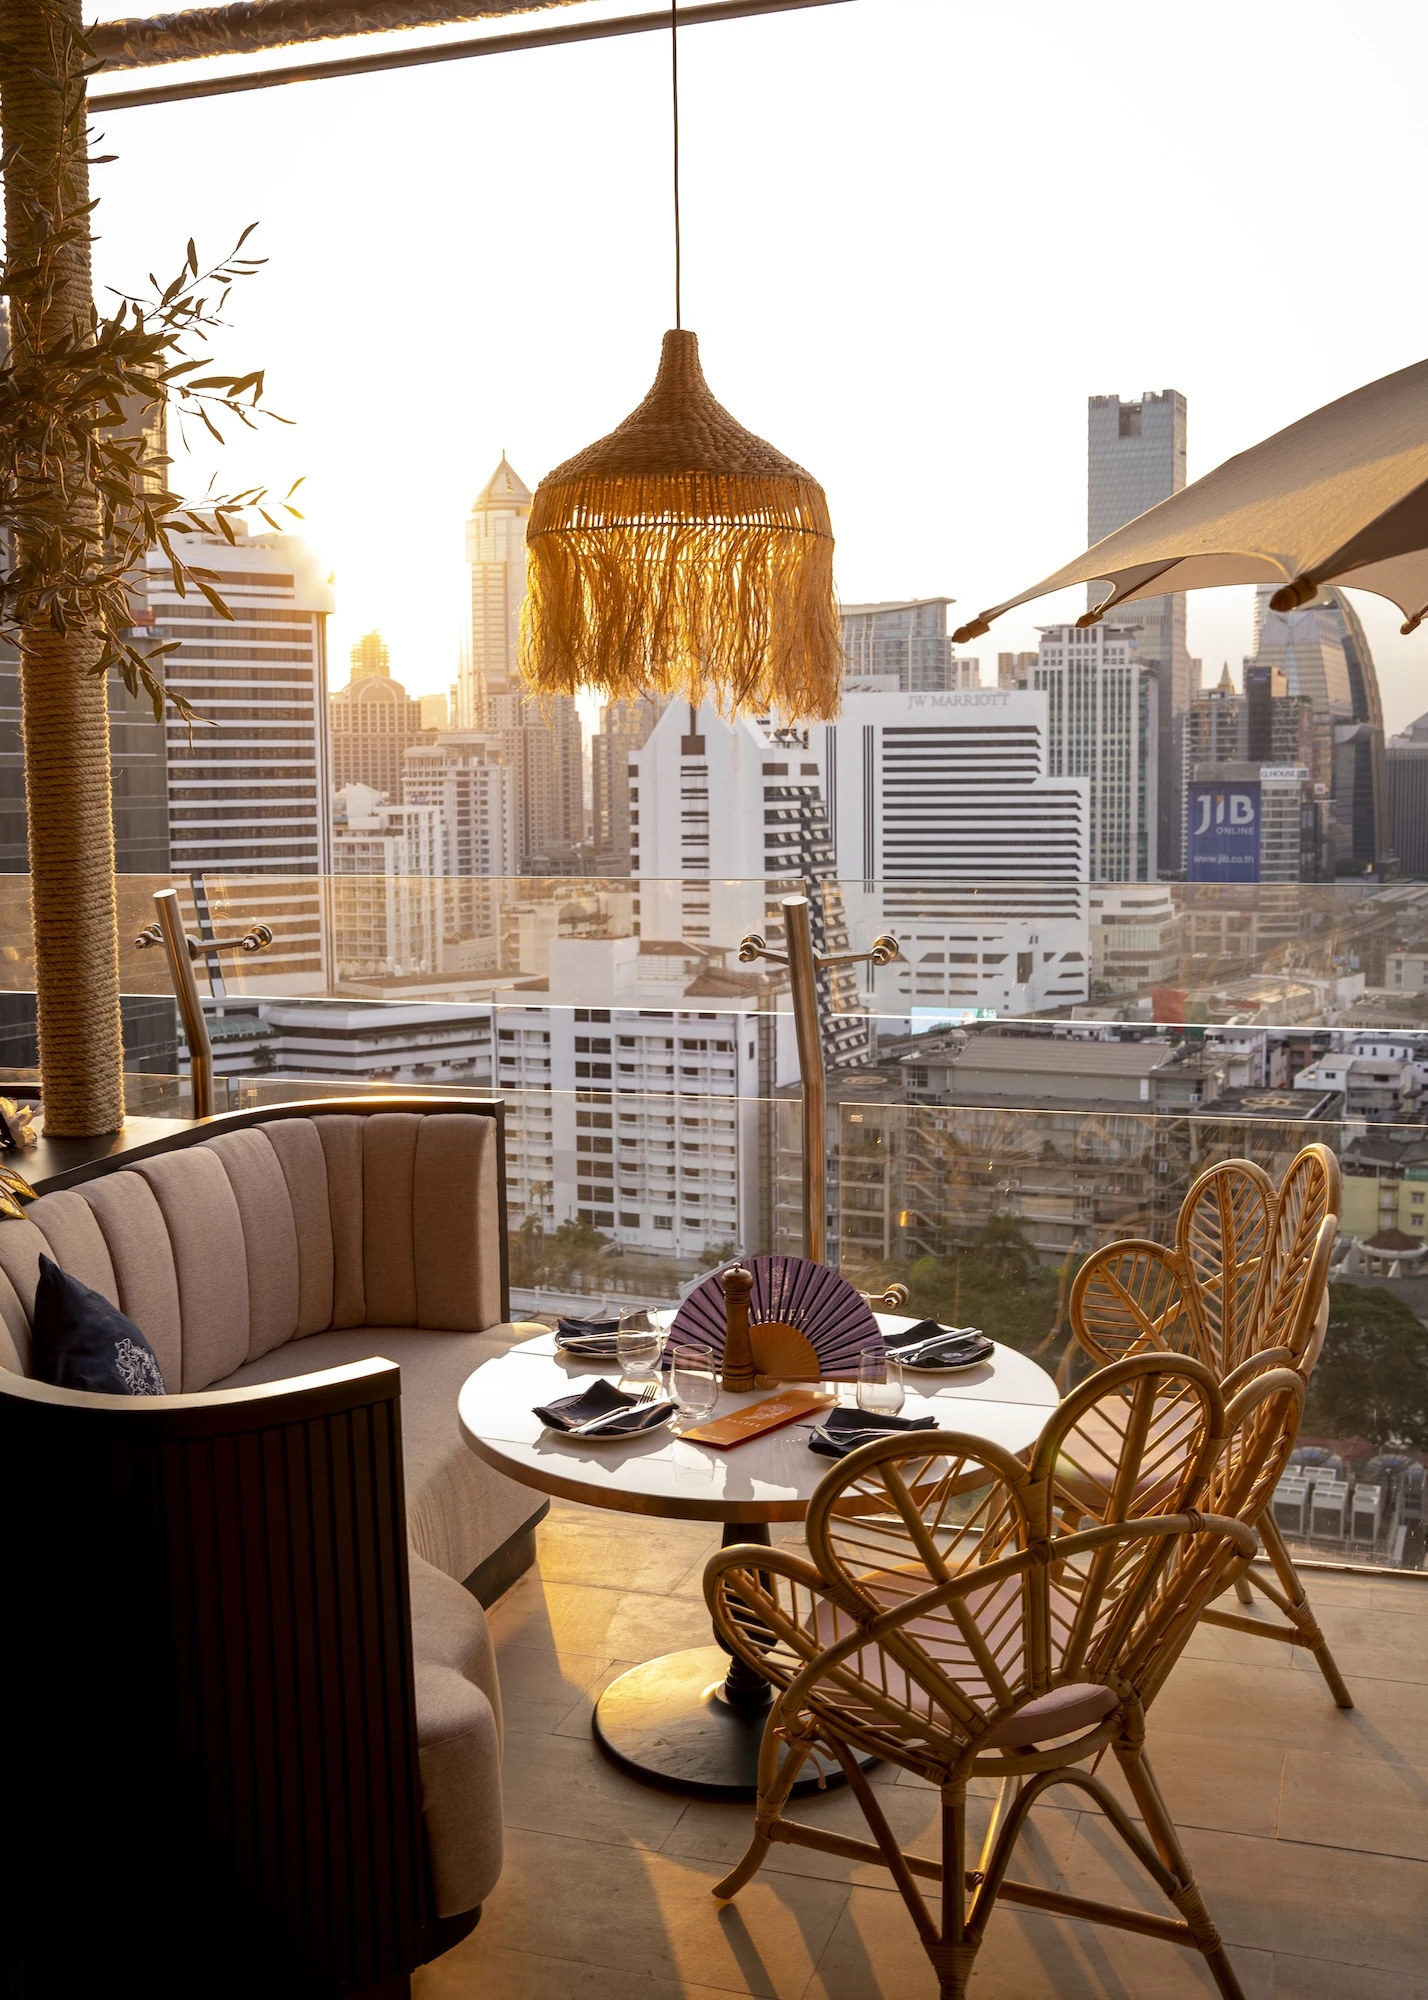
(682, 555)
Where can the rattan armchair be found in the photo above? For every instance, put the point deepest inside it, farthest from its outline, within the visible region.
(963, 1614)
(1244, 1286)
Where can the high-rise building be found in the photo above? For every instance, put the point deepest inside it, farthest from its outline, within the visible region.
(950, 831)
(249, 784)
(1136, 459)
(374, 723)
(726, 819)
(435, 711)
(902, 648)
(1014, 669)
(1103, 724)
(1252, 755)
(624, 726)
(138, 764)
(496, 554)
(930, 814)
(464, 776)
(541, 741)
(1215, 728)
(1408, 798)
(1257, 823)
(1324, 654)
(388, 865)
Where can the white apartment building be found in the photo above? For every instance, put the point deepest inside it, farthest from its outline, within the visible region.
(1103, 726)
(726, 819)
(348, 1042)
(948, 832)
(633, 1087)
(388, 887)
(1135, 937)
(248, 786)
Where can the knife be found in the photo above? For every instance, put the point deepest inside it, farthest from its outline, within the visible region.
(609, 1417)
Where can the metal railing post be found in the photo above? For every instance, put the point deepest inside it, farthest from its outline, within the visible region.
(802, 977)
(804, 964)
(195, 1028)
(181, 950)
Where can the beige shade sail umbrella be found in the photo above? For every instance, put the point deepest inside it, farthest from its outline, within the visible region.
(1339, 497)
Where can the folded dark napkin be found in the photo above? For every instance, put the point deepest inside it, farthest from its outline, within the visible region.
(580, 1326)
(602, 1396)
(963, 1344)
(846, 1429)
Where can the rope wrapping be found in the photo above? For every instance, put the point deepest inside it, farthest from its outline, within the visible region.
(64, 702)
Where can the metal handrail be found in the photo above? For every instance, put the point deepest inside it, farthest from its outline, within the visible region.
(804, 964)
(181, 950)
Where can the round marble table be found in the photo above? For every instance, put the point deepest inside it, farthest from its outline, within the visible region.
(691, 1721)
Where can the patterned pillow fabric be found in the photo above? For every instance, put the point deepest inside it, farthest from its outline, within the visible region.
(82, 1342)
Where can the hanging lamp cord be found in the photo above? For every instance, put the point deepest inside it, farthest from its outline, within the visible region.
(674, 108)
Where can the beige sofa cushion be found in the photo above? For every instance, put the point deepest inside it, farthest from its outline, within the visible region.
(458, 1713)
(205, 1233)
(299, 1151)
(270, 1244)
(127, 1210)
(459, 1510)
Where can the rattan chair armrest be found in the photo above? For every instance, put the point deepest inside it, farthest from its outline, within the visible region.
(1256, 1365)
(754, 1555)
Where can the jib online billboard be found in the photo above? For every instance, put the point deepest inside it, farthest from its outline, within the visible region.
(1224, 833)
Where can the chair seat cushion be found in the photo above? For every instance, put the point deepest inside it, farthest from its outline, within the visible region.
(459, 1510)
(1078, 1705)
(1064, 1711)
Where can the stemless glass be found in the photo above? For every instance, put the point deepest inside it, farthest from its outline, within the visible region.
(693, 1383)
(880, 1386)
(638, 1344)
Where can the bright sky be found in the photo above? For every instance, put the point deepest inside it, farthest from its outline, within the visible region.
(917, 235)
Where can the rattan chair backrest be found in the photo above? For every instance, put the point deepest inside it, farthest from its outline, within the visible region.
(945, 1593)
(1260, 1425)
(1296, 1263)
(1247, 1271)
(1224, 1225)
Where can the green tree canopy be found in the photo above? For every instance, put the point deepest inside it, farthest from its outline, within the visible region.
(1372, 1377)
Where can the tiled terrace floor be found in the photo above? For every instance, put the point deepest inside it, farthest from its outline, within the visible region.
(1308, 1827)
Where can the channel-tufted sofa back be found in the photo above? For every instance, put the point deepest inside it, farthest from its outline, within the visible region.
(227, 1248)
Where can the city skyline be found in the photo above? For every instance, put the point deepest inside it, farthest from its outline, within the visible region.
(949, 434)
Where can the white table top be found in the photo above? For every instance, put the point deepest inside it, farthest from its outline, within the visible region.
(770, 1478)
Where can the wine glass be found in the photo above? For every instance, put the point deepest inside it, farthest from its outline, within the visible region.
(693, 1383)
(880, 1385)
(638, 1343)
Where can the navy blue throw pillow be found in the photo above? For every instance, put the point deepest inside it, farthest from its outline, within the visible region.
(82, 1342)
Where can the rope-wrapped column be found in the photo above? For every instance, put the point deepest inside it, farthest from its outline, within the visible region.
(64, 703)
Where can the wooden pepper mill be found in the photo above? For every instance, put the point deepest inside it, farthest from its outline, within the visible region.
(738, 1367)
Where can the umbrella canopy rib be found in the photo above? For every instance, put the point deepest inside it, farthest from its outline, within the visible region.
(1339, 497)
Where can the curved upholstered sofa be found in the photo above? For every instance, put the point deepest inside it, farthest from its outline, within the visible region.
(267, 1253)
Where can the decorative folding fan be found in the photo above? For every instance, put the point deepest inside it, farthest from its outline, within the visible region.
(806, 1323)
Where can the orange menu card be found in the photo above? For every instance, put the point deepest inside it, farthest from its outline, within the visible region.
(755, 1418)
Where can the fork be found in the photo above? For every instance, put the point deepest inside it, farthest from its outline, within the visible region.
(646, 1395)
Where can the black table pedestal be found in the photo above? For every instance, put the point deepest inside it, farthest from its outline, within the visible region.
(693, 1721)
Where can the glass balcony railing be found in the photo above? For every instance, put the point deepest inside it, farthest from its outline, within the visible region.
(981, 1141)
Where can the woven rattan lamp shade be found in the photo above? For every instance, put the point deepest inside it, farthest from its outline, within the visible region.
(682, 555)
